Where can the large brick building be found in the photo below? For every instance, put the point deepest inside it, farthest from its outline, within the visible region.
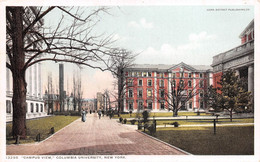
(147, 84)
(240, 59)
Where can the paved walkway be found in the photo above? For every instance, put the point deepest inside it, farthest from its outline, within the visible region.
(96, 137)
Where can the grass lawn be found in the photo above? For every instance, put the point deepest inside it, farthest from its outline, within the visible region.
(200, 122)
(42, 126)
(238, 140)
(161, 114)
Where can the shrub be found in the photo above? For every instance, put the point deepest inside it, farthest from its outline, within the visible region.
(130, 112)
(133, 121)
(120, 119)
(125, 120)
(145, 116)
(176, 124)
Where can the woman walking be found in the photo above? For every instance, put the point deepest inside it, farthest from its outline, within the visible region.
(83, 116)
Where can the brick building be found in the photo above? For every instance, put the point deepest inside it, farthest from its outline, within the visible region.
(147, 84)
(240, 58)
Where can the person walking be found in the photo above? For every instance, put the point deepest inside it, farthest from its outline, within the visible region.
(103, 112)
(99, 113)
(83, 116)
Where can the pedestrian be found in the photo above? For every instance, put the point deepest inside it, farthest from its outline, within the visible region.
(103, 112)
(99, 113)
(83, 116)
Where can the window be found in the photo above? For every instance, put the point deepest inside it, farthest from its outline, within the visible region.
(161, 83)
(31, 107)
(201, 104)
(190, 93)
(201, 94)
(130, 82)
(149, 74)
(189, 75)
(174, 83)
(161, 75)
(201, 83)
(144, 74)
(190, 105)
(181, 75)
(8, 106)
(162, 105)
(140, 93)
(149, 82)
(37, 107)
(130, 105)
(150, 105)
(181, 83)
(140, 82)
(189, 83)
(173, 75)
(140, 105)
(201, 75)
(162, 93)
(130, 93)
(149, 93)
(139, 74)
(133, 74)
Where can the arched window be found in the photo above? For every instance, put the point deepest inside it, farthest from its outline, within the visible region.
(189, 83)
(181, 83)
(41, 107)
(161, 83)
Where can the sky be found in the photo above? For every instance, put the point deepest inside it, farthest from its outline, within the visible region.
(161, 35)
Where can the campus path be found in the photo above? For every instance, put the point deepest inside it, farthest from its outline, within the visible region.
(96, 137)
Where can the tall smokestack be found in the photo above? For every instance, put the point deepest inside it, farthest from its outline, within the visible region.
(61, 86)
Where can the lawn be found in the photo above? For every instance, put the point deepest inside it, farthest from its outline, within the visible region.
(200, 122)
(201, 140)
(161, 114)
(42, 126)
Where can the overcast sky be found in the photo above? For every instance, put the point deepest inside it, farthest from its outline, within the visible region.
(162, 35)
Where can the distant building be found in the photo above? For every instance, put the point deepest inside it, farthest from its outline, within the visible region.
(88, 104)
(240, 58)
(147, 84)
(102, 101)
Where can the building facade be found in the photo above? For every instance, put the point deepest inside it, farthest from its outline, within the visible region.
(34, 99)
(102, 102)
(146, 86)
(240, 59)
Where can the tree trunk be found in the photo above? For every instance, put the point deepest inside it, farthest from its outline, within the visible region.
(231, 115)
(19, 83)
(175, 112)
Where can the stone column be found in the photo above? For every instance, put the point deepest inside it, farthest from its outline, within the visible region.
(251, 79)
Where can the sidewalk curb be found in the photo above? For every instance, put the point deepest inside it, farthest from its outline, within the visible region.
(164, 143)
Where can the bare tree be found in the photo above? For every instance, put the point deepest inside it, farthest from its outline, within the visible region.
(108, 100)
(120, 61)
(181, 92)
(50, 94)
(29, 42)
